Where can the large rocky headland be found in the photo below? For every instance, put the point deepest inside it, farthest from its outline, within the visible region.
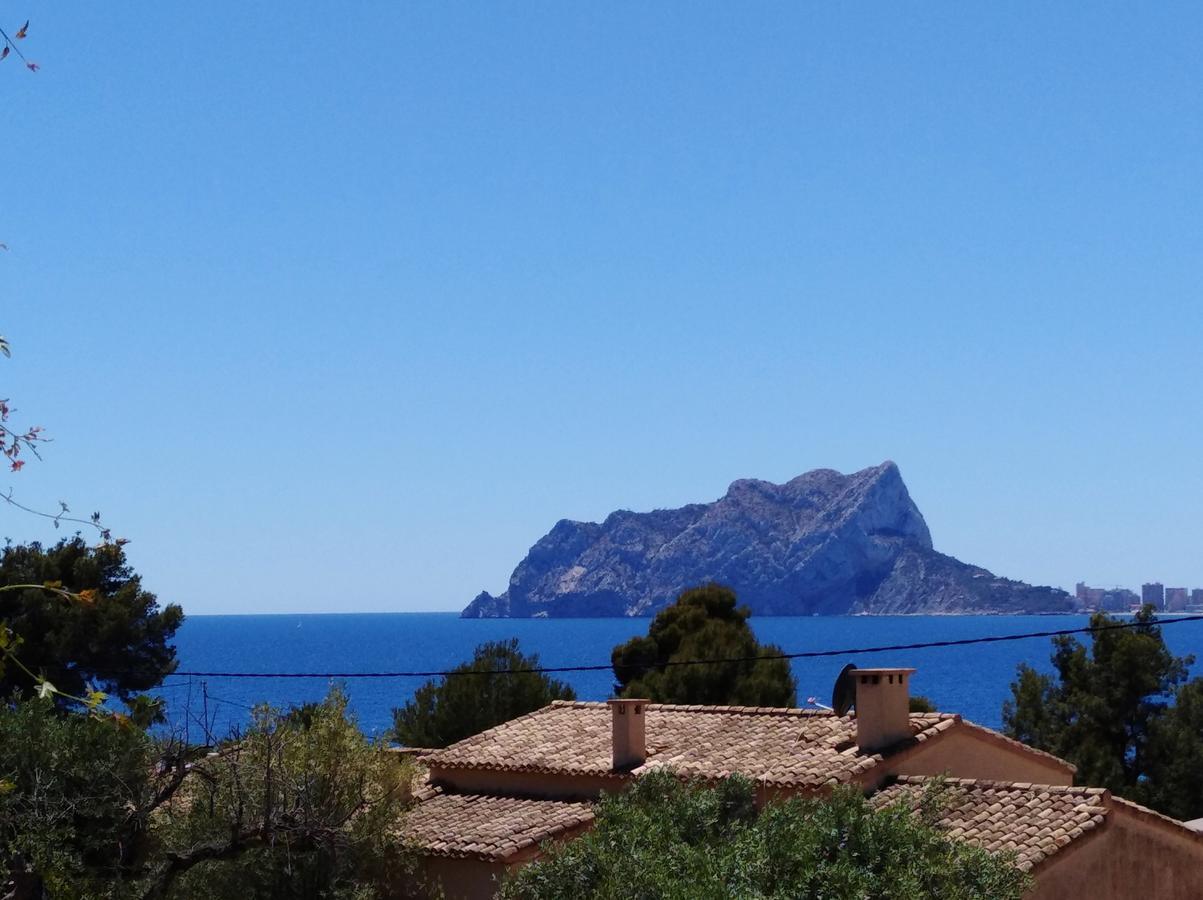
(823, 543)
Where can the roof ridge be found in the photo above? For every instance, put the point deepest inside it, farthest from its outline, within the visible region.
(737, 710)
(993, 734)
(699, 708)
(994, 784)
(1153, 815)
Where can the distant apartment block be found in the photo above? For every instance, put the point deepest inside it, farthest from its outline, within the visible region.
(1153, 593)
(1175, 599)
(1106, 599)
(1119, 600)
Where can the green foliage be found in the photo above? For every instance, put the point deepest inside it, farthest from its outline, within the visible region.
(450, 709)
(70, 786)
(112, 635)
(1122, 711)
(704, 623)
(921, 704)
(664, 839)
(300, 806)
(1175, 751)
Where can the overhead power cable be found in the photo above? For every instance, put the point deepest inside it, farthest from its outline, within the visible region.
(804, 654)
(237, 703)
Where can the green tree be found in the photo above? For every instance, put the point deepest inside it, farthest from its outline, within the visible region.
(72, 788)
(111, 635)
(301, 806)
(703, 623)
(1121, 710)
(672, 840)
(1175, 778)
(921, 704)
(449, 709)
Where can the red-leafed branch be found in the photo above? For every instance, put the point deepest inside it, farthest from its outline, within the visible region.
(14, 442)
(10, 46)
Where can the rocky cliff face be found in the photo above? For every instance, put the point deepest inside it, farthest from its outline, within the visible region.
(822, 543)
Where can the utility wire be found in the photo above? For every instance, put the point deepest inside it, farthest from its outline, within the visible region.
(167, 685)
(805, 654)
(227, 700)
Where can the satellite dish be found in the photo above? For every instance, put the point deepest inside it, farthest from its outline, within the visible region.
(843, 695)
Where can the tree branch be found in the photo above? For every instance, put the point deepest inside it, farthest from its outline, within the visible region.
(177, 863)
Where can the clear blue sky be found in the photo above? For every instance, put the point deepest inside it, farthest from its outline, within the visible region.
(343, 307)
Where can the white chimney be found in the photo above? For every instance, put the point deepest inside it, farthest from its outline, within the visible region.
(630, 744)
(883, 707)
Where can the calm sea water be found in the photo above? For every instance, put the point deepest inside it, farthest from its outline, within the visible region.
(970, 680)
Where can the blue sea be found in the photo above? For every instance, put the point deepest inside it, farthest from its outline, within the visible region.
(972, 680)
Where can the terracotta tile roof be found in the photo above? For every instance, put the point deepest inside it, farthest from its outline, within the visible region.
(1033, 821)
(488, 827)
(779, 747)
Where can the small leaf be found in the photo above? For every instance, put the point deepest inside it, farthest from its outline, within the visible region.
(96, 698)
(6, 787)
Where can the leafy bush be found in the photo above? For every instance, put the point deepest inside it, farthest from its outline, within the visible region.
(68, 784)
(300, 806)
(664, 839)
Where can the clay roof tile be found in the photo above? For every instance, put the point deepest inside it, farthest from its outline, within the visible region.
(778, 747)
(1033, 821)
(488, 827)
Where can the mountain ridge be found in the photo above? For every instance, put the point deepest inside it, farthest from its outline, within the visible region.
(820, 543)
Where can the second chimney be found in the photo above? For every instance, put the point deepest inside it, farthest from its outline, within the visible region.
(883, 707)
(629, 737)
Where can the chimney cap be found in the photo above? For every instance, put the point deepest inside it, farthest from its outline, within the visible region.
(624, 702)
